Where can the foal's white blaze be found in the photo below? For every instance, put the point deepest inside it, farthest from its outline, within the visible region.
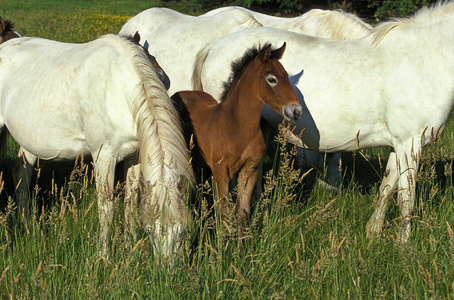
(393, 87)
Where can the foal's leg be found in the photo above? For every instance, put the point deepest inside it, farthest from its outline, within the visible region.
(22, 173)
(247, 178)
(375, 225)
(222, 187)
(104, 174)
(131, 204)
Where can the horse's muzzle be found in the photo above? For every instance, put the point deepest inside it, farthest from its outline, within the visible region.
(292, 112)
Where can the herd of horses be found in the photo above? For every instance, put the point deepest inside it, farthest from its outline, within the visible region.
(342, 84)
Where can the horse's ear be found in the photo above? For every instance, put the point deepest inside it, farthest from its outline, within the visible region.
(277, 54)
(266, 54)
(136, 37)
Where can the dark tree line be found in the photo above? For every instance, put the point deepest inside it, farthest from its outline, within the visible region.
(372, 10)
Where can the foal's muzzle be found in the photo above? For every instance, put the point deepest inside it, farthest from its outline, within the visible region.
(292, 112)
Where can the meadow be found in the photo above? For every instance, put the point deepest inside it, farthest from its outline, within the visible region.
(304, 242)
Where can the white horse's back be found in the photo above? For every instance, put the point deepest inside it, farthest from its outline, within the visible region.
(333, 24)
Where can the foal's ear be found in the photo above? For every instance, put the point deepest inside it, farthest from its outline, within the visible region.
(136, 37)
(265, 55)
(277, 54)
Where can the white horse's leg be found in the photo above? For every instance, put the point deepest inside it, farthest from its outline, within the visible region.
(375, 225)
(408, 162)
(131, 204)
(321, 162)
(104, 174)
(22, 173)
(333, 171)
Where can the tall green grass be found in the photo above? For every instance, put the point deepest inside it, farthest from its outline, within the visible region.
(302, 243)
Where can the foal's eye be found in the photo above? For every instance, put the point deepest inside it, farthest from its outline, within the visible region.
(272, 80)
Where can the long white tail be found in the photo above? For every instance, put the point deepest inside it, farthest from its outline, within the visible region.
(198, 65)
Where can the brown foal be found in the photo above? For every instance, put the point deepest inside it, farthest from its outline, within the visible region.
(227, 134)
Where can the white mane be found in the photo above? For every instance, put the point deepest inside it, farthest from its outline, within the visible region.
(159, 133)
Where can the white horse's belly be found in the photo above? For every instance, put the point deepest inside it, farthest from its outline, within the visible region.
(61, 132)
(46, 142)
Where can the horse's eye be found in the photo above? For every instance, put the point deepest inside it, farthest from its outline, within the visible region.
(272, 80)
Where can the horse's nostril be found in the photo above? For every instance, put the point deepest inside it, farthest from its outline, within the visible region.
(292, 112)
(298, 112)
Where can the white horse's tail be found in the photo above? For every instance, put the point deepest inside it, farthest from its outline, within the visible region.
(197, 70)
(165, 169)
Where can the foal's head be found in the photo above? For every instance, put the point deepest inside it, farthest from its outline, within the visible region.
(267, 80)
(7, 30)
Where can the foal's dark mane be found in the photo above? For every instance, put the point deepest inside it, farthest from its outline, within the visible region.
(239, 65)
(7, 30)
(9, 25)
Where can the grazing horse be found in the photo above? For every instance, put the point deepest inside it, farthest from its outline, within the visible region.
(393, 87)
(228, 133)
(104, 99)
(7, 30)
(316, 22)
(165, 29)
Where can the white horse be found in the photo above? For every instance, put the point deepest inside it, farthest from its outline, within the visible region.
(104, 99)
(332, 24)
(321, 23)
(165, 29)
(394, 87)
